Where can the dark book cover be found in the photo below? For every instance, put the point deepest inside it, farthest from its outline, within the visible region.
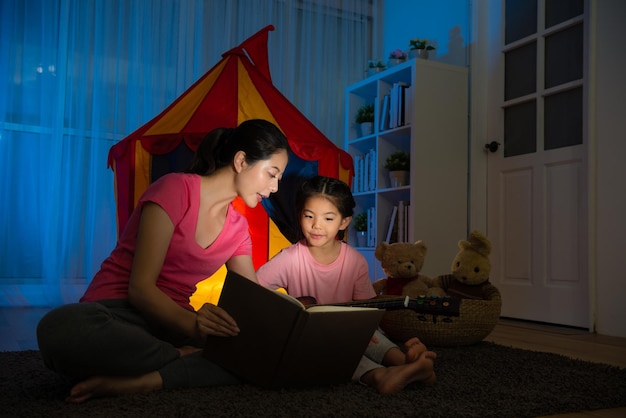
(282, 343)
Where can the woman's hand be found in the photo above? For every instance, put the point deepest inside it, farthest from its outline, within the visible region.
(213, 320)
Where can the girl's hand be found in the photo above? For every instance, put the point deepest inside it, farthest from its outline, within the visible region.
(213, 320)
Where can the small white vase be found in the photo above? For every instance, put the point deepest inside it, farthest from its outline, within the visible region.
(419, 53)
(367, 128)
(394, 61)
(361, 238)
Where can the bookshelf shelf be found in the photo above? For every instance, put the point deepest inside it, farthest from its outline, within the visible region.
(421, 108)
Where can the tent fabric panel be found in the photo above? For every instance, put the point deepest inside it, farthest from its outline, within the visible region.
(277, 240)
(143, 172)
(219, 106)
(304, 138)
(345, 175)
(178, 160)
(124, 183)
(251, 104)
(209, 289)
(183, 110)
(257, 227)
(256, 49)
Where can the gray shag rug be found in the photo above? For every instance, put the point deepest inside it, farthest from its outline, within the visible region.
(483, 380)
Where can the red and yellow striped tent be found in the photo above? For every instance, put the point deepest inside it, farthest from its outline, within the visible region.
(236, 89)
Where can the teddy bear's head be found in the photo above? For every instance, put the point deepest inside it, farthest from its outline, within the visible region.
(471, 265)
(401, 259)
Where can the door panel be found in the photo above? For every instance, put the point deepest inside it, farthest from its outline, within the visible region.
(537, 213)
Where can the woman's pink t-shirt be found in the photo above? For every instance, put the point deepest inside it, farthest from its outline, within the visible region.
(186, 262)
(294, 269)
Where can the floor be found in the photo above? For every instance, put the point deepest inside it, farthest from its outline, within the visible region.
(17, 332)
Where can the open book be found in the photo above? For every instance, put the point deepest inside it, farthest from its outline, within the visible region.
(282, 343)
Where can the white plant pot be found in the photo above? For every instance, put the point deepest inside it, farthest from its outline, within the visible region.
(361, 238)
(367, 128)
(398, 178)
(418, 53)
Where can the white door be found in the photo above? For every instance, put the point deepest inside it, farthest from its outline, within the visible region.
(537, 175)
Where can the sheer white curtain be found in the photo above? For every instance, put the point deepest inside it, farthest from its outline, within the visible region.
(77, 76)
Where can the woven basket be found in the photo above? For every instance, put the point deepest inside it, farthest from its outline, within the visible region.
(476, 320)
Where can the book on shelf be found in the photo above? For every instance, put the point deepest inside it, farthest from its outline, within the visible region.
(365, 169)
(407, 206)
(282, 343)
(371, 227)
(392, 223)
(398, 98)
(384, 116)
(403, 221)
(355, 179)
(373, 170)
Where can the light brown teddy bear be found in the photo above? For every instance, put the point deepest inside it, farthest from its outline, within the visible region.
(470, 271)
(402, 263)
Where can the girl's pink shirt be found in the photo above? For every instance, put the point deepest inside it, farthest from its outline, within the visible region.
(295, 270)
(186, 262)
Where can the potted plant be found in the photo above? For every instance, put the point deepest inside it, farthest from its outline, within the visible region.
(365, 118)
(360, 226)
(398, 163)
(396, 57)
(419, 48)
(375, 66)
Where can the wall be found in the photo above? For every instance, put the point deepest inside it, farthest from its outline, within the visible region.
(445, 23)
(608, 128)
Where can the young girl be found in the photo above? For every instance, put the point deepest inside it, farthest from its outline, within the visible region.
(134, 330)
(329, 270)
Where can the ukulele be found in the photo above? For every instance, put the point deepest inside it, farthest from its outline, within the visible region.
(423, 305)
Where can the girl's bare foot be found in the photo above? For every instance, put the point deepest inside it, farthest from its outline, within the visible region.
(101, 386)
(414, 349)
(395, 378)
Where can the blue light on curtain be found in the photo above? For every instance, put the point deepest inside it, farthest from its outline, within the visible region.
(77, 76)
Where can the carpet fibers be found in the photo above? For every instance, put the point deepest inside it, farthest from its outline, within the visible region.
(484, 380)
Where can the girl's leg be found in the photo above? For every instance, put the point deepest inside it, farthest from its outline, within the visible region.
(382, 351)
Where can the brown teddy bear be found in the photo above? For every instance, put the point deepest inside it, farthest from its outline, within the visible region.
(470, 271)
(402, 263)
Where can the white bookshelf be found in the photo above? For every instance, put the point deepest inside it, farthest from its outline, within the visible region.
(435, 133)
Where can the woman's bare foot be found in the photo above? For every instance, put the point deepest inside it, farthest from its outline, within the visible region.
(395, 378)
(187, 349)
(101, 386)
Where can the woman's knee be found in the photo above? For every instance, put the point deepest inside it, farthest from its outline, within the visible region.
(61, 329)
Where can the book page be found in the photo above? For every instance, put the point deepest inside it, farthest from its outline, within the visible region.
(289, 298)
(335, 308)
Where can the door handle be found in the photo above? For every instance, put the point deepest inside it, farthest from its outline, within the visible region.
(492, 146)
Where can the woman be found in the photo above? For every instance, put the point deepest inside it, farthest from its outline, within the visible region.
(134, 330)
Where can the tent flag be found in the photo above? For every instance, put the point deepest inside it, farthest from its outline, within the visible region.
(236, 89)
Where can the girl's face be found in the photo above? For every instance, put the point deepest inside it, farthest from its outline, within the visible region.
(257, 181)
(320, 221)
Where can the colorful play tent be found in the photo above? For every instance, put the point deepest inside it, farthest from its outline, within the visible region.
(236, 89)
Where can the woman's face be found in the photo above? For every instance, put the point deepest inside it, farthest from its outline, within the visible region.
(257, 181)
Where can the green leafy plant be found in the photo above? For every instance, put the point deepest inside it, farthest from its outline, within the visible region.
(360, 222)
(416, 43)
(375, 64)
(398, 161)
(365, 113)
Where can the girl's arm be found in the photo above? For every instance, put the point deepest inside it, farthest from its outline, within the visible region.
(153, 239)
